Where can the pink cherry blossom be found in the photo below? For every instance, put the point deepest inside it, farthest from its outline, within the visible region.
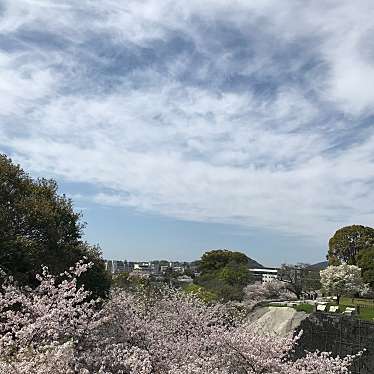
(56, 328)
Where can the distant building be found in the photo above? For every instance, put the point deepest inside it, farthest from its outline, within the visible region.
(149, 267)
(109, 266)
(144, 266)
(117, 266)
(265, 274)
(185, 279)
(164, 268)
(139, 273)
(178, 269)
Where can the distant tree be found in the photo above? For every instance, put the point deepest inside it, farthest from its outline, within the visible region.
(347, 242)
(235, 274)
(218, 259)
(40, 227)
(224, 273)
(342, 280)
(202, 293)
(170, 276)
(189, 272)
(294, 278)
(161, 262)
(121, 280)
(365, 260)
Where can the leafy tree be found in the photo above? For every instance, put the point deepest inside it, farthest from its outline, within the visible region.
(224, 273)
(170, 276)
(200, 292)
(342, 280)
(347, 242)
(235, 274)
(121, 280)
(39, 227)
(217, 259)
(365, 260)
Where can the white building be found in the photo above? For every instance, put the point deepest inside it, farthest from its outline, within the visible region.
(185, 279)
(265, 274)
(115, 266)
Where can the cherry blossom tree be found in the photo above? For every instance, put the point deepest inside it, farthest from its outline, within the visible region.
(56, 328)
(256, 293)
(342, 280)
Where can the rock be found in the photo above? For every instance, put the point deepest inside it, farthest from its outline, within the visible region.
(279, 321)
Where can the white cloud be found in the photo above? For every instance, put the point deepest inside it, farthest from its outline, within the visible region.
(202, 151)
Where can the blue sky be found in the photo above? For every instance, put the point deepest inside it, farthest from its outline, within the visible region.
(183, 126)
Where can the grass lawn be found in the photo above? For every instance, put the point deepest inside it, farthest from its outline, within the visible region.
(366, 307)
(307, 308)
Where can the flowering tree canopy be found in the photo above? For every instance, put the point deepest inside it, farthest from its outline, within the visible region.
(342, 280)
(255, 293)
(57, 329)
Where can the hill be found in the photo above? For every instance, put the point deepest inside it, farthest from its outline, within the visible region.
(319, 265)
(254, 264)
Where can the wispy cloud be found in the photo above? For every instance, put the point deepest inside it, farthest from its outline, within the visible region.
(246, 112)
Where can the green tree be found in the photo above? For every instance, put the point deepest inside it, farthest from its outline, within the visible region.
(235, 274)
(347, 242)
(224, 273)
(121, 280)
(200, 292)
(217, 259)
(365, 261)
(39, 227)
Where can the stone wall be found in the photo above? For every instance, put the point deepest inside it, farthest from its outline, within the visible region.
(340, 335)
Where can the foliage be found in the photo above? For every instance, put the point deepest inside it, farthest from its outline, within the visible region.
(54, 328)
(121, 280)
(224, 273)
(39, 227)
(348, 242)
(365, 260)
(200, 292)
(170, 276)
(342, 280)
(219, 259)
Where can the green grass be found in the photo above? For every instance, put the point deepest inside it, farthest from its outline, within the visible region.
(356, 301)
(366, 307)
(307, 308)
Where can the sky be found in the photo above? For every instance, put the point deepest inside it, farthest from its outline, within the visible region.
(181, 126)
